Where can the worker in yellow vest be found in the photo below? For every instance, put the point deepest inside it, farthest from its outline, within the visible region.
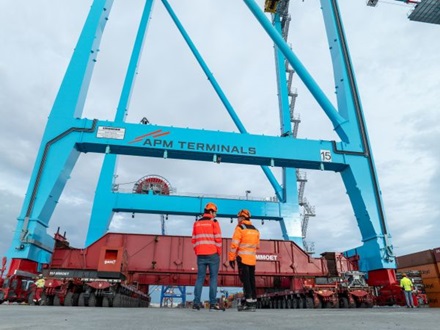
(39, 284)
(407, 286)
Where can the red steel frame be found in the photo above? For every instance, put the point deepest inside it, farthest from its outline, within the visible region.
(170, 260)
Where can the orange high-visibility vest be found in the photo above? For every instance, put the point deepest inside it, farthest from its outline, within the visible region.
(245, 242)
(207, 236)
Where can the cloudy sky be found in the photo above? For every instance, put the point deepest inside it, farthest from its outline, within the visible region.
(397, 67)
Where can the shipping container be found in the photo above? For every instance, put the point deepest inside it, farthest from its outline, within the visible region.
(415, 259)
(431, 285)
(426, 271)
(434, 299)
(436, 253)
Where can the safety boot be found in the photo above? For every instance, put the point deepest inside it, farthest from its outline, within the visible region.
(215, 307)
(249, 305)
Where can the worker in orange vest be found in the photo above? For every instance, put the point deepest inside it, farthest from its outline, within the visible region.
(244, 245)
(207, 243)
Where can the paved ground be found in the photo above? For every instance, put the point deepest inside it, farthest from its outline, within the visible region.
(46, 318)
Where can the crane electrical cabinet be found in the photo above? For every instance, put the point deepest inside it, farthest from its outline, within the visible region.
(67, 135)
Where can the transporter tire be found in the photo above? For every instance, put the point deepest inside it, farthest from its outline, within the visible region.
(344, 302)
(56, 301)
(279, 304)
(295, 303)
(319, 305)
(330, 304)
(75, 299)
(92, 300)
(81, 300)
(107, 302)
(302, 302)
(309, 302)
(117, 301)
(45, 300)
(31, 298)
(68, 299)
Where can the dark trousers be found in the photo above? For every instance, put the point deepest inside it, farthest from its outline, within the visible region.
(247, 277)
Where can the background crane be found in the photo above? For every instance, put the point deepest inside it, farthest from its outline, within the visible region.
(426, 11)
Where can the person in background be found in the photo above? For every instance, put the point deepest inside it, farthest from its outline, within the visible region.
(207, 243)
(39, 287)
(407, 286)
(244, 245)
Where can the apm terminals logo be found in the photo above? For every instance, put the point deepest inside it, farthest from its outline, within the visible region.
(147, 137)
(154, 139)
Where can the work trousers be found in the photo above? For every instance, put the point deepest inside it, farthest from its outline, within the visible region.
(247, 277)
(38, 293)
(409, 299)
(204, 262)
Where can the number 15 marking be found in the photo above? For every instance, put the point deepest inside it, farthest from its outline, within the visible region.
(326, 156)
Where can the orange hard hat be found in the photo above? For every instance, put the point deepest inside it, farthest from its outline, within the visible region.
(244, 213)
(211, 207)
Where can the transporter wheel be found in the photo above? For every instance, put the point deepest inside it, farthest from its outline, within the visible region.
(117, 301)
(75, 299)
(320, 304)
(363, 305)
(309, 302)
(31, 298)
(56, 301)
(92, 300)
(46, 300)
(81, 300)
(68, 299)
(344, 302)
(105, 302)
(330, 304)
(295, 303)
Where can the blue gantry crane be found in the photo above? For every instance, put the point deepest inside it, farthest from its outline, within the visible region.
(67, 135)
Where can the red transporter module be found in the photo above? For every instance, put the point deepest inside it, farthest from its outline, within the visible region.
(118, 269)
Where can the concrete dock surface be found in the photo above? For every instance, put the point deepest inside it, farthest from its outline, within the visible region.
(48, 317)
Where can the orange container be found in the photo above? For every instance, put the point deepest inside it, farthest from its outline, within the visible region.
(426, 271)
(416, 259)
(432, 285)
(434, 299)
